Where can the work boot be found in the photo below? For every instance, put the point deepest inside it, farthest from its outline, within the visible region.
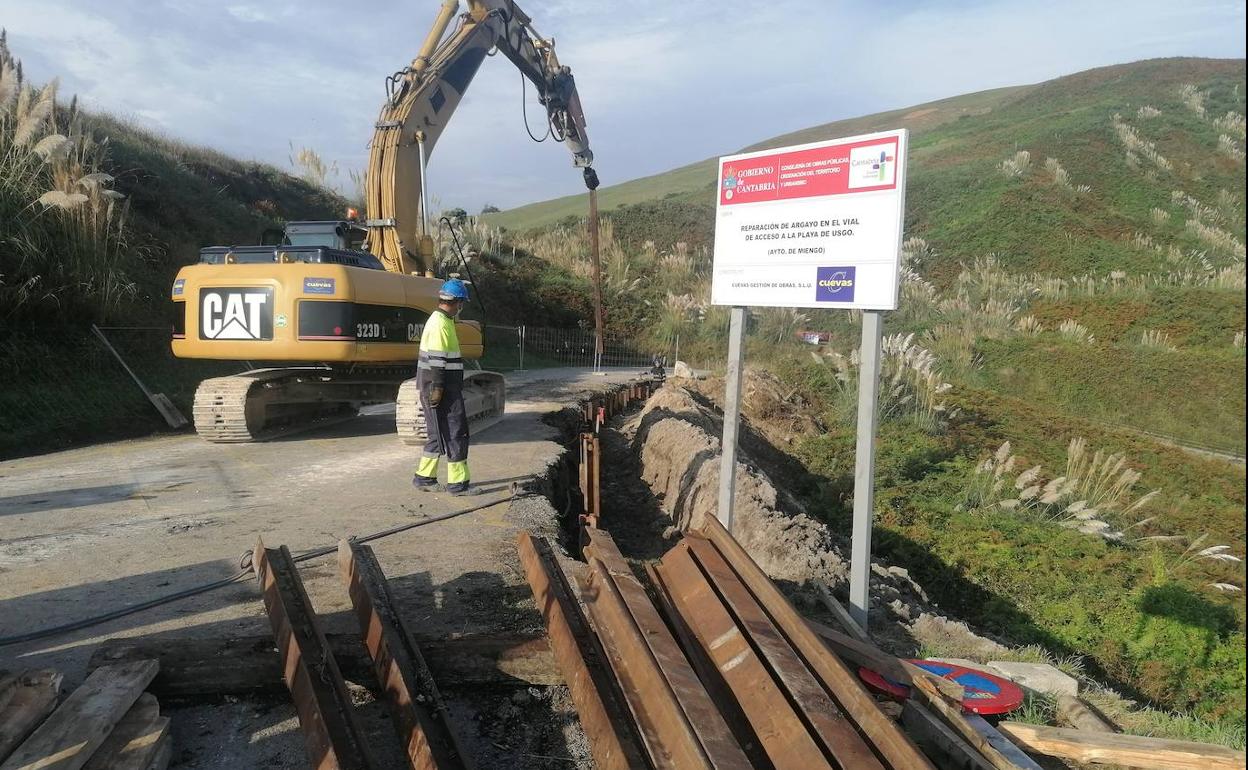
(424, 483)
(462, 489)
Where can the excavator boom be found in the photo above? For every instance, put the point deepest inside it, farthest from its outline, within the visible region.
(420, 101)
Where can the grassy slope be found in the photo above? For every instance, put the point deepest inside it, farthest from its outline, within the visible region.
(699, 177)
(1145, 622)
(61, 387)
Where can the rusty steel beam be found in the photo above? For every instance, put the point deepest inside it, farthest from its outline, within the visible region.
(706, 670)
(679, 723)
(837, 738)
(598, 701)
(420, 716)
(890, 743)
(332, 736)
(774, 719)
(595, 475)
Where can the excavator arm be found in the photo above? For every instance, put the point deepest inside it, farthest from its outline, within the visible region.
(420, 101)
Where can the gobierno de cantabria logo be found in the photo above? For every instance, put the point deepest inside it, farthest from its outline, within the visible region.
(730, 181)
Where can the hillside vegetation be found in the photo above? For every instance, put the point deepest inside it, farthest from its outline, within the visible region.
(1072, 306)
(96, 218)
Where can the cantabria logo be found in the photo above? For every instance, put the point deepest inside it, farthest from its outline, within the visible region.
(236, 314)
(872, 166)
(835, 284)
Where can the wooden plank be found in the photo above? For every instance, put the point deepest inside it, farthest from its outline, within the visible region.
(332, 735)
(679, 722)
(416, 706)
(598, 703)
(193, 668)
(134, 741)
(68, 738)
(951, 714)
(881, 662)
(841, 614)
(778, 725)
(1081, 716)
(1126, 750)
(891, 743)
(32, 699)
(836, 734)
(940, 742)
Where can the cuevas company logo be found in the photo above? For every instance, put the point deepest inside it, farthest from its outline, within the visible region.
(835, 284)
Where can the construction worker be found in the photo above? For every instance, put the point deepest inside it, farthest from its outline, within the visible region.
(440, 374)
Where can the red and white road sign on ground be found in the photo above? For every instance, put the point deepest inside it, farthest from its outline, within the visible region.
(814, 225)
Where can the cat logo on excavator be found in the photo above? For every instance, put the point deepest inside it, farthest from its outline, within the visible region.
(236, 314)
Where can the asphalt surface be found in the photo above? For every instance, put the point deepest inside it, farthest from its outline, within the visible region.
(94, 529)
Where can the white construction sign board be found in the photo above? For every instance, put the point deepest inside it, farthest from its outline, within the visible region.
(814, 225)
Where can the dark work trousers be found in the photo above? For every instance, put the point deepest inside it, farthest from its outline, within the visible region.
(447, 424)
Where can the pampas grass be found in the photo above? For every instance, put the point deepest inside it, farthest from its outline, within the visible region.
(1232, 123)
(911, 385)
(1096, 495)
(1075, 332)
(1217, 238)
(1137, 146)
(1193, 98)
(1147, 111)
(1029, 325)
(1017, 165)
(1157, 340)
(1228, 147)
(65, 226)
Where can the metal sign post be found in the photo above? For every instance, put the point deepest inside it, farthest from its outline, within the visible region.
(732, 418)
(864, 466)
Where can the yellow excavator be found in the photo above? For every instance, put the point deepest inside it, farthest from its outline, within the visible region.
(338, 307)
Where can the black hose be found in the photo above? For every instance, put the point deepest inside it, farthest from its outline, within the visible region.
(524, 110)
(95, 620)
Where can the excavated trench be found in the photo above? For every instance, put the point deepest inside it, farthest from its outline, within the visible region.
(659, 478)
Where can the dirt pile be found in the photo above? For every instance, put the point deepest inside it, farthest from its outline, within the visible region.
(676, 440)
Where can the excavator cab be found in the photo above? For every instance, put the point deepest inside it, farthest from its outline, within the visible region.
(346, 236)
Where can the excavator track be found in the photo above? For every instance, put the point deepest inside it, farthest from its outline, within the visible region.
(248, 407)
(485, 399)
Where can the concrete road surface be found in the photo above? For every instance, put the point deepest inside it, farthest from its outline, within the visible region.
(91, 530)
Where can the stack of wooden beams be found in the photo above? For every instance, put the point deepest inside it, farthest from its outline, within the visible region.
(711, 667)
(108, 723)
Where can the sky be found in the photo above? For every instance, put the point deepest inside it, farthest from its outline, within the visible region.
(663, 83)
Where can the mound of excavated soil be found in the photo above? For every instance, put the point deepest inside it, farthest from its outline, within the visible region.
(677, 440)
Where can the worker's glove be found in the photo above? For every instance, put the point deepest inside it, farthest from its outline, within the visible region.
(435, 396)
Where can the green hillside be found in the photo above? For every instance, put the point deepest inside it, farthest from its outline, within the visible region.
(698, 177)
(1073, 308)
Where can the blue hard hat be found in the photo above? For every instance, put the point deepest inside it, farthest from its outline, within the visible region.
(453, 289)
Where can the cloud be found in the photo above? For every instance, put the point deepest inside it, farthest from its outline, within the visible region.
(249, 13)
(663, 84)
